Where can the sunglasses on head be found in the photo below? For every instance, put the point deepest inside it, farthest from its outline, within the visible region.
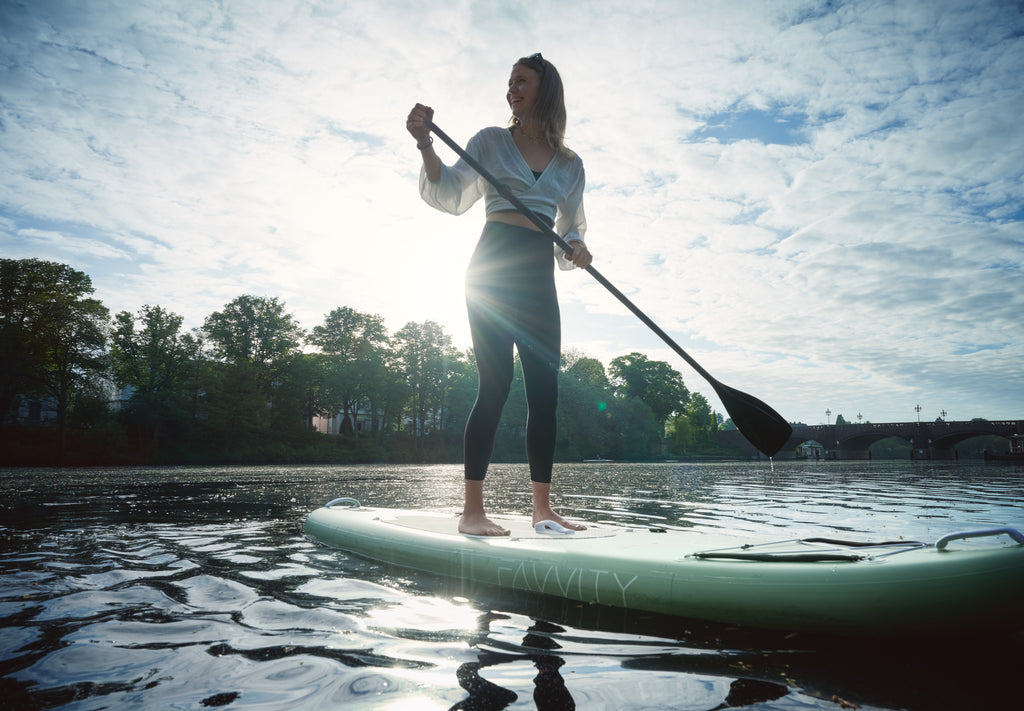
(537, 61)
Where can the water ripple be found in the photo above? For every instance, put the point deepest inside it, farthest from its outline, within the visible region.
(194, 588)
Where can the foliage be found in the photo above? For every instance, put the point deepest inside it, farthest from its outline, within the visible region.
(354, 345)
(425, 354)
(251, 385)
(253, 329)
(654, 382)
(586, 412)
(159, 364)
(52, 335)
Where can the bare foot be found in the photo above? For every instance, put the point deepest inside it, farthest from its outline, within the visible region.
(480, 525)
(550, 515)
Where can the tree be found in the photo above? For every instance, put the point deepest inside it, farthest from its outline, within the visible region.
(680, 433)
(639, 431)
(652, 381)
(462, 385)
(585, 370)
(355, 344)
(300, 389)
(253, 329)
(254, 338)
(698, 411)
(150, 353)
(22, 287)
(424, 352)
(691, 429)
(52, 334)
(585, 409)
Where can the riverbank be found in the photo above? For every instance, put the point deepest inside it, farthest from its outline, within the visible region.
(40, 447)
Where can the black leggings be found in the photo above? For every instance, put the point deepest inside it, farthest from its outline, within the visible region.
(510, 295)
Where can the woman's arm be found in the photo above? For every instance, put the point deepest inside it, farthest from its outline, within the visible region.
(571, 224)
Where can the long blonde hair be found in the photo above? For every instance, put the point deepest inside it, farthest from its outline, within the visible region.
(548, 111)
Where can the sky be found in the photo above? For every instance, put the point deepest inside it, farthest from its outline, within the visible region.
(821, 202)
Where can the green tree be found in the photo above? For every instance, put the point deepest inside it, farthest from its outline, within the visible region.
(585, 407)
(640, 432)
(254, 339)
(235, 409)
(680, 433)
(699, 413)
(462, 385)
(652, 381)
(425, 352)
(150, 353)
(390, 393)
(253, 329)
(355, 345)
(691, 429)
(300, 392)
(23, 286)
(52, 334)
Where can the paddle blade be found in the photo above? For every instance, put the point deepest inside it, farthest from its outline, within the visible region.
(761, 425)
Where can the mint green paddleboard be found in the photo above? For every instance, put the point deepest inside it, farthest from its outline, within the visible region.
(967, 582)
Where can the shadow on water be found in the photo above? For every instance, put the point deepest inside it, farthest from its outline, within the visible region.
(194, 588)
(550, 693)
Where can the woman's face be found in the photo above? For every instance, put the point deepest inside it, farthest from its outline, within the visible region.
(523, 85)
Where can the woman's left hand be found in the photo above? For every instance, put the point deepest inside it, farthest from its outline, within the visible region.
(581, 256)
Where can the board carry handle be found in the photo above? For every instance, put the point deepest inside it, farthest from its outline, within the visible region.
(348, 500)
(980, 533)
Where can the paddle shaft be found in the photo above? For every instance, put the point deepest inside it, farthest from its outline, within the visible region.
(766, 429)
(506, 193)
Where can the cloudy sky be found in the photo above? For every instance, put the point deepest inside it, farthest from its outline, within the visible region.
(822, 202)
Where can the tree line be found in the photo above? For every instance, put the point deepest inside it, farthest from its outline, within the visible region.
(251, 384)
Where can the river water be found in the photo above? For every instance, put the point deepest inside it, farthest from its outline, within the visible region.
(194, 588)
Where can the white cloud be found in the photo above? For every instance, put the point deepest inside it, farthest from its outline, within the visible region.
(185, 155)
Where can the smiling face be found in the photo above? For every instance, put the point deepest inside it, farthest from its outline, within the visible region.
(523, 85)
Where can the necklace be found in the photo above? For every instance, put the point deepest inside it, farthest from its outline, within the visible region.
(531, 136)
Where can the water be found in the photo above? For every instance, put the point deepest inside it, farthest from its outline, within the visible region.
(193, 588)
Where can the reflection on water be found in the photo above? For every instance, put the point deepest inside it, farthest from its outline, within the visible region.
(194, 588)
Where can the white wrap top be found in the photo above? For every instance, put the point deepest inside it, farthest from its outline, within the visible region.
(556, 195)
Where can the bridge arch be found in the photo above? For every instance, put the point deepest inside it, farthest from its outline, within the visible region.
(928, 440)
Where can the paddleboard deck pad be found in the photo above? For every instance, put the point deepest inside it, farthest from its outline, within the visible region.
(966, 582)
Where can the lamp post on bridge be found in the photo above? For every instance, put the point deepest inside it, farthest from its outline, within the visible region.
(918, 408)
(828, 414)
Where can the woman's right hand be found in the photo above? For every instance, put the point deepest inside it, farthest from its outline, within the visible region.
(418, 122)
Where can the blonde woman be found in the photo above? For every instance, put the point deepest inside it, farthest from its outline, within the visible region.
(510, 287)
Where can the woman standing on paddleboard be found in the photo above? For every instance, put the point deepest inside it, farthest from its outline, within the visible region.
(510, 286)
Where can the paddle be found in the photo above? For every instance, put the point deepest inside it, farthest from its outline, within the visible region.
(761, 425)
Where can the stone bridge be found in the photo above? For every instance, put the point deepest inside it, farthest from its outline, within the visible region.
(928, 440)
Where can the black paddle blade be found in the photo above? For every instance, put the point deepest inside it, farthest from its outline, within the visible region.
(761, 425)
